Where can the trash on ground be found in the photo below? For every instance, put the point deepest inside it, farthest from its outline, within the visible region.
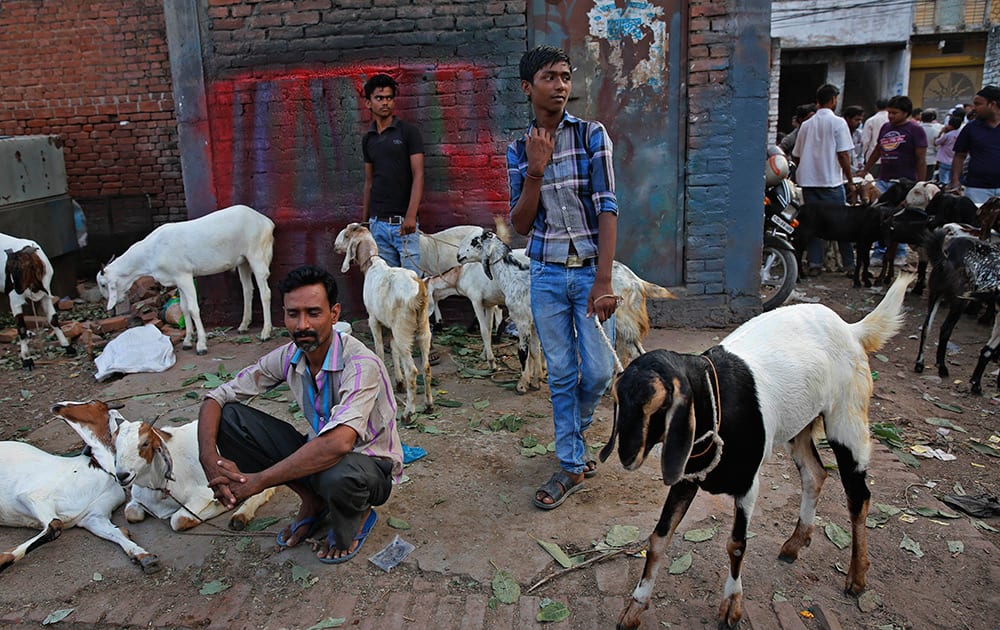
(392, 554)
(140, 349)
(981, 506)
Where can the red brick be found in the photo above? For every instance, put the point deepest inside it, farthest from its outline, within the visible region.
(72, 330)
(112, 324)
(7, 335)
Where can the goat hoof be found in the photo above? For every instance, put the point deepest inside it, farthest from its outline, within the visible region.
(27, 364)
(70, 351)
(238, 523)
(977, 389)
(942, 371)
(186, 346)
(150, 564)
(919, 367)
(201, 353)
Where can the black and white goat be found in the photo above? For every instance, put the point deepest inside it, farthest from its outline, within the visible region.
(719, 415)
(38, 489)
(28, 276)
(963, 268)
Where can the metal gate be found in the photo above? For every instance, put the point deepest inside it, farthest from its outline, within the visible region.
(629, 73)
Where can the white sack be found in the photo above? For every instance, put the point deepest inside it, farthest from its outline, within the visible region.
(142, 349)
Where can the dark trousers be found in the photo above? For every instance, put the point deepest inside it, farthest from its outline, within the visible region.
(255, 440)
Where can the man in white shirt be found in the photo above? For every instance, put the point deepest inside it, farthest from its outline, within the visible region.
(823, 154)
(932, 128)
(869, 132)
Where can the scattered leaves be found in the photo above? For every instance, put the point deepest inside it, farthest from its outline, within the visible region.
(398, 523)
(956, 547)
(911, 545)
(869, 601)
(551, 612)
(621, 535)
(214, 587)
(948, 407)
(329, 622)
(887, 433)
(261, 523)
(699, 535)
(98, 577)
(946, 423)
(447, 402)
(681, 564)
(57, 615)
(505, 587)
(300, 573)
(481, 404)
(837, 535)
(557, 553)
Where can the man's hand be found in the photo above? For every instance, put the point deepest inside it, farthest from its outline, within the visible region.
(409, 225)
(251, 485)
(538, 147)
(602, 301)
(222, 474)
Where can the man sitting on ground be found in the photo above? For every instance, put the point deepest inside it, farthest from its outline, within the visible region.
(346, 463)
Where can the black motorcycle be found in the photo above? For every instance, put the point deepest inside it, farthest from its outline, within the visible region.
(778, 269)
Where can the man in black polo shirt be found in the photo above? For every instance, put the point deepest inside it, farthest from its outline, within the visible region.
(394, 177)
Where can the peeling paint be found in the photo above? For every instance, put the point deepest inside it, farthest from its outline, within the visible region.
(638, 39)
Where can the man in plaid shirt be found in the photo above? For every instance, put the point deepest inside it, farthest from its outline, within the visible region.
(562, 194)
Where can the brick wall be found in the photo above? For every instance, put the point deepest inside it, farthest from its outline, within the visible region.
(97, 74)
(991, 66)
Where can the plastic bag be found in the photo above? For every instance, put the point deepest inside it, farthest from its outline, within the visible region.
(393, 553)
(142, 349)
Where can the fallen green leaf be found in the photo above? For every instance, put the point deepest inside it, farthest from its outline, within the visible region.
(837, 535)
(557, 553)
(621, 535)
(447, 402)
(505, 587)
(926, 512)
(300, 573)
(985, 449)
(481, 404)
(57, 615)
(212, 588)
(906, 458)
(983, 526)
(552, 612)
(882, 358)
(956, 546)
(188, 366)
(398, 523)
(261, 523)
(891, 510)
(681, 564)
(948, 407)
(946, 423)
(551, 447)
(699, 535)
(911, 545)
(329, 622)
(887, 433)
(243, 543)
(948, 514)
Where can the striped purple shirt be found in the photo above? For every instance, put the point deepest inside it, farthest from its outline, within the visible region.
(352, 388)
(578, 185)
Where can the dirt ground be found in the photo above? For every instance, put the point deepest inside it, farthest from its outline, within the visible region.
(467, 510)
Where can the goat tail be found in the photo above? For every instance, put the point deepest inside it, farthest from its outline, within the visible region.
(879, 326)
(656, 291)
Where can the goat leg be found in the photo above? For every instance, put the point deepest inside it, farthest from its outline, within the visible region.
(853, 476)
(985, 355)
(676, 506)
(731, 608)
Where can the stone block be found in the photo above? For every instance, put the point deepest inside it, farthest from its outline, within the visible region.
(72, 330)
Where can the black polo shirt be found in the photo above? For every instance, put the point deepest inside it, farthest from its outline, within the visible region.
(389, 154)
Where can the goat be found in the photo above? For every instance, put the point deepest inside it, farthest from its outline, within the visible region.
(484, 293)
(988, 213)
(38, 489)
(439, 251)
(175, 253)
(166, 477)
(767, 383)
(964, 268)
(631, 316)
(895, 194)
(861, 225)
(395, 298)
(515, 282)
(921, 194)
(28, 276)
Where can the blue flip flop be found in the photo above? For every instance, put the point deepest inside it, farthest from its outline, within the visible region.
(361, 538)
(310, 521)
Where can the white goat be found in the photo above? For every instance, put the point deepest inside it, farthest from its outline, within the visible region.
(38, 489)
(167, 479)
(395, 298)
(439, 251)
(719, 415)
(175, 253)
(470, 280)
(512, 275)
(28, 276)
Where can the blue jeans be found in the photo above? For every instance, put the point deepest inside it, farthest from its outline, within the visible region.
(944, 173)
(836, 195)
(579, 361)
(394, 248)
(979, 196)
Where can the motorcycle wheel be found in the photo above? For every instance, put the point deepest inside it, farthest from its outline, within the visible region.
(778, 274)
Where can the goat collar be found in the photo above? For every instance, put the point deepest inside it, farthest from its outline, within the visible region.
(713, 433)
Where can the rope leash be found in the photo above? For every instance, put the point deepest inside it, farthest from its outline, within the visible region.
(607, 341)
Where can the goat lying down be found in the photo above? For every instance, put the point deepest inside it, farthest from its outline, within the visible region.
(769, 382)
(161, 465)
(38, 489)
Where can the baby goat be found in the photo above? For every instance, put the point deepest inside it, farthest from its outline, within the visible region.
(38, 489)
(720, 414)
(28, 276)
(395, 298)
(963, 268)
(167, 479)
(175, 253)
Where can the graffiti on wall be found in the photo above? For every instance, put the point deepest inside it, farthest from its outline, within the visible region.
(639, 39)
(290, 142)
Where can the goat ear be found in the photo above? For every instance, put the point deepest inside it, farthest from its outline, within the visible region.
(678, 436)
(352, 246)
(486, 267)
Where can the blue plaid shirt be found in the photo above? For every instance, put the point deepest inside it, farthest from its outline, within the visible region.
(579, 184)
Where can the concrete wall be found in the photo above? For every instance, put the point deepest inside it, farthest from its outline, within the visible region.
(991, 67)
(826, 23)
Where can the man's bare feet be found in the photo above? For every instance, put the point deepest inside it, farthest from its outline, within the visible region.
(305, 522)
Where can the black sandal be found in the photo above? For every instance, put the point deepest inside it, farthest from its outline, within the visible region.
(590, 469)
(558, 487)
